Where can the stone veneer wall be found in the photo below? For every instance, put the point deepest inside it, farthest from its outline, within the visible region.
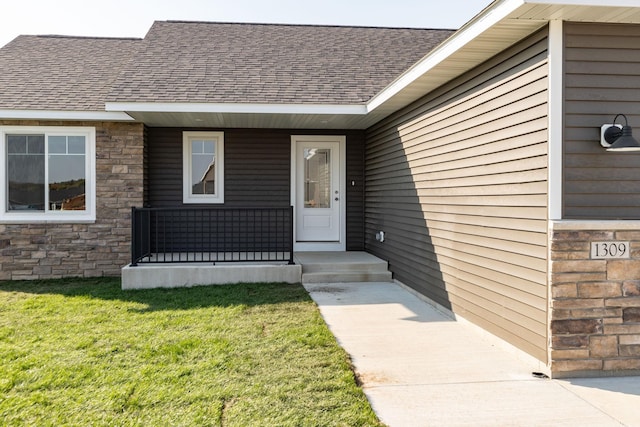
(595, 304)
(101, 248)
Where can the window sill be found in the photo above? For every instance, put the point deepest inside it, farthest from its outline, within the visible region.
(11, 219)
(203, 201)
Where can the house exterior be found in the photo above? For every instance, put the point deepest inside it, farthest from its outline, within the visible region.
(476, 152)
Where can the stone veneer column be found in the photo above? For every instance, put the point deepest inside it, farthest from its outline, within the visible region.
(101, 248)
(595, 304)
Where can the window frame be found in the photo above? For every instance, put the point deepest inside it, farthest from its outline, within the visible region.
(21, 217)
(187, 196)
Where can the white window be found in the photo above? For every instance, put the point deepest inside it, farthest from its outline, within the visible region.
(203, 167)
(49, 174)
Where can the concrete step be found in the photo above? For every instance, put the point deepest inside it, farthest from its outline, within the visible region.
(342, 267)
(346, 276)
(339, 261)
(378, 266)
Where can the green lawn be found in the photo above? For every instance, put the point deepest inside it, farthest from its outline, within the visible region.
(84, 352)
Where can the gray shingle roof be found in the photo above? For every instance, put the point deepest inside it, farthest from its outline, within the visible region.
(60, 73)
(267, 63)
(210, 63)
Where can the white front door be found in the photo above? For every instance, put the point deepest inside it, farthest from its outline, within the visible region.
(317, 187)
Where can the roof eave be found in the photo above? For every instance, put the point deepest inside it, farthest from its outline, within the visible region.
(218, 115)
(111, 116)
(238, 108)
(500, 25)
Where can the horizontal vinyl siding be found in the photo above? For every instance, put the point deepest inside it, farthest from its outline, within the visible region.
(257, 168)
(145, 167)
(602, 79)
(355, 191)
(257, 171)
(458, 182)
(164, 167)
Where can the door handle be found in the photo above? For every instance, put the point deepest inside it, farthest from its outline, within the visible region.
(337, 198)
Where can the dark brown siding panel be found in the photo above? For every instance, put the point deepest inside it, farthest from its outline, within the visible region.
(257, 168)
(458, 182)
(145, 167)
(355, 191)
(602, 79)
(257, 171)
(164, 153)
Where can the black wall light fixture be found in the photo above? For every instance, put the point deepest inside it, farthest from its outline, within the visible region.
(616, 137)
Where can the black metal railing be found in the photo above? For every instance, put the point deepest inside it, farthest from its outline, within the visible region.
(205, 234)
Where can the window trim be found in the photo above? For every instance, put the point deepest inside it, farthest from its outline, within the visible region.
(21, 217)
(187, 196)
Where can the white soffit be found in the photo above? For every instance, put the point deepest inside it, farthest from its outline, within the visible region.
(600, 11)
(251, 120)
(177, 107)
(245, 115)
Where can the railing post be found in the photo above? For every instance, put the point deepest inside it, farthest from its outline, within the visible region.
(134, 258)
(291, 235)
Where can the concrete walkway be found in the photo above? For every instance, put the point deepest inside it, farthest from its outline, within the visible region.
(419, 367)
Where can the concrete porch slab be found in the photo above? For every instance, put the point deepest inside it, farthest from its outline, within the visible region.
(184, 275)
(186, 269)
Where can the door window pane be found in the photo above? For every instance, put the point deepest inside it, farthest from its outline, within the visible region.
(317, 178)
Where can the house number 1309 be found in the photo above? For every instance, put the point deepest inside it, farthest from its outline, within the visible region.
(609, 250)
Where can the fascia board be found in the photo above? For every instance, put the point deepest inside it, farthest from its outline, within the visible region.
(118, 116)
(481, 23)
(170, 107)
(607, 3)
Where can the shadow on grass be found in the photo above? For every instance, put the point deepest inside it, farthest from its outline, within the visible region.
(108, 288)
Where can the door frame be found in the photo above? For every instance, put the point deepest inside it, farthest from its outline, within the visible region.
(340, 245)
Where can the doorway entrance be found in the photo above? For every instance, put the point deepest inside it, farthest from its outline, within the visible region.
(317, 192)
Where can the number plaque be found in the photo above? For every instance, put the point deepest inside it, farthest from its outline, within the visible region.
(610, 250)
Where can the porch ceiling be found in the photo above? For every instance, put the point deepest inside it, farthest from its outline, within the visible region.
(500, 25)
(253, 119)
